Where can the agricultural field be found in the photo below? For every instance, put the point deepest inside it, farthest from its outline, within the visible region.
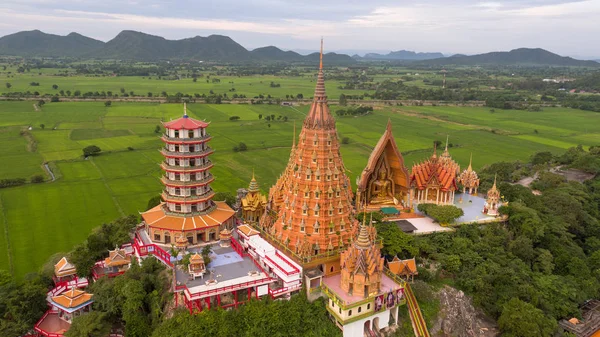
(250, 86)
(39, 220)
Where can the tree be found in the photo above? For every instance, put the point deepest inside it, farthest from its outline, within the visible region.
(38, 178)
(153, 202)
(91, 150)
(225, 196)
(107, 103)
(54, 99)
(54, 86)
(8, 85)
(345, 140)
(42, 126)
(157, 129)
(41, 102)
(234, 118)
(343, 100)
(260, 116)
(521, 319)
(444, 214)
(92, 324)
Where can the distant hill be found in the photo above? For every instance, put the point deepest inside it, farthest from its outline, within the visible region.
(275, 54)
(521, 56)
(132, 45)
(403, 55)
(35, 43)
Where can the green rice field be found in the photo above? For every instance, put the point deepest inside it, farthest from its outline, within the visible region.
(39, 220)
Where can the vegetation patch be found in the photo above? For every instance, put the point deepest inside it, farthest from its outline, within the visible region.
(84, 134)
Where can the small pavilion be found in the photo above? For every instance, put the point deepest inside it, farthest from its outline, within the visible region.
(64, 270)
(196, 267)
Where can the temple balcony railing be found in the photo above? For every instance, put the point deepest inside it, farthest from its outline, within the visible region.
(189, 198)
(189, 168)
(193, 140)
(200, 182)
(186, 154)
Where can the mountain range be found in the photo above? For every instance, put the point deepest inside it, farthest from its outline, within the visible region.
(521, 56)
(400, 55)
(132, 45)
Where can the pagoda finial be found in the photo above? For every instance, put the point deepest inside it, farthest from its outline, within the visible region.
(184, 109)
(470, 168)
(434, 150)
(447, 136)
(494, 186)
(321, 56)
(363, 235)
(253, 174)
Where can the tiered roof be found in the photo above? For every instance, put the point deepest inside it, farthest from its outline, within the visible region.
(64, 268)
(403, 267)
(312, 198)
(185, 123)
(468, 177)
(253, 200)
(435, 171)
(157, 218)
(73, 299)
(362, 264)
(493, 193)
(117, 257)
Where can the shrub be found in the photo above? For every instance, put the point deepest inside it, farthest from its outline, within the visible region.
(234, 118)
(36, 179)
(345, 140)
(54, 99)
(12, 182)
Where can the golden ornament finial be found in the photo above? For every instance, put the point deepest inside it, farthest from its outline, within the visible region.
(321, 56)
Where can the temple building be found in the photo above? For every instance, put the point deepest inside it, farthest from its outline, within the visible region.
(469, 179)
(362, 299)
(493, 201)
(64, 270)
(64, 307)
(253, 204)
(385, 180)
(309, 208)
(404, 268)
(187, 209)
(435, 179)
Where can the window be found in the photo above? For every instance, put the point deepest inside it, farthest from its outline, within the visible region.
(332, 304)
(318, 178)
(306, 194)
(329, 195)
(330, 231)
(335, 176)
(317, 194)
(316, 230)
(340, 311)
(315, 142)
(328, 143)
(302, 228)
(314, 160)
(156, 237)
(330, 160)
(330, 212)
(191, 134)
(359, 309)
(368, 306)
(340, 210)
(308, 177)
(350, 312)
(328, 177)
(337, 194)
(178, 208)
(331, 269)
(304, 212)
(316, 212)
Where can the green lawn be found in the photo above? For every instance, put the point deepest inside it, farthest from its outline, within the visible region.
(39, 220)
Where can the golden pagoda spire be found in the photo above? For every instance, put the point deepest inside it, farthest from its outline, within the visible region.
(363, 237)
(184, 109)
(494, 186)
(321, 56)
(294, 139)
(470, 168)
(447, 136)
(434, 150)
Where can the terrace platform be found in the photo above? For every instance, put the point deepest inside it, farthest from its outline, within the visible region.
(228, 268)
(333, 283)
(52, 325)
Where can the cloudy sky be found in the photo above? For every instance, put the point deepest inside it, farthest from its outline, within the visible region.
(457, 26)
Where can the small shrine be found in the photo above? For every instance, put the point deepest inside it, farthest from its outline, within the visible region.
(64, 270)
(493, 201)
(469, 179)
(225, 238)
(362, 265)
(118, 260)
(384, 182)
(253, 203)
(72, 303)
(406, 269)
(196, 268)
(181, 242)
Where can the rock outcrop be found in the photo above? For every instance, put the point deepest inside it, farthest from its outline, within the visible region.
(459, 318)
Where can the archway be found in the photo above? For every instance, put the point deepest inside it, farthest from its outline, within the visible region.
(376, 324)
(167, 237)
(367, 328)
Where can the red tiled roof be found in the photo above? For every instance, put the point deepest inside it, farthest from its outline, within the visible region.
(434, 171)
(185, 123)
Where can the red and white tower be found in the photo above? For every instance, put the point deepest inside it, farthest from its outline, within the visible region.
(188, 209)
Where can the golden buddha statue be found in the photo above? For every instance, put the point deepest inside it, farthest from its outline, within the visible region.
(382, 189)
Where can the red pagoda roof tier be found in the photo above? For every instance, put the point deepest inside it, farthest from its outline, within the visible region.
(157, 218)
(188, 169)
(198, 154)
(189, 141)
(192, 199)
(185, 123)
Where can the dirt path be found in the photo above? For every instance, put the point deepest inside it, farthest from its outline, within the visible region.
(36, 107)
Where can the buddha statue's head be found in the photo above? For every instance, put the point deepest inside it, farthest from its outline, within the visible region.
(382, 173)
